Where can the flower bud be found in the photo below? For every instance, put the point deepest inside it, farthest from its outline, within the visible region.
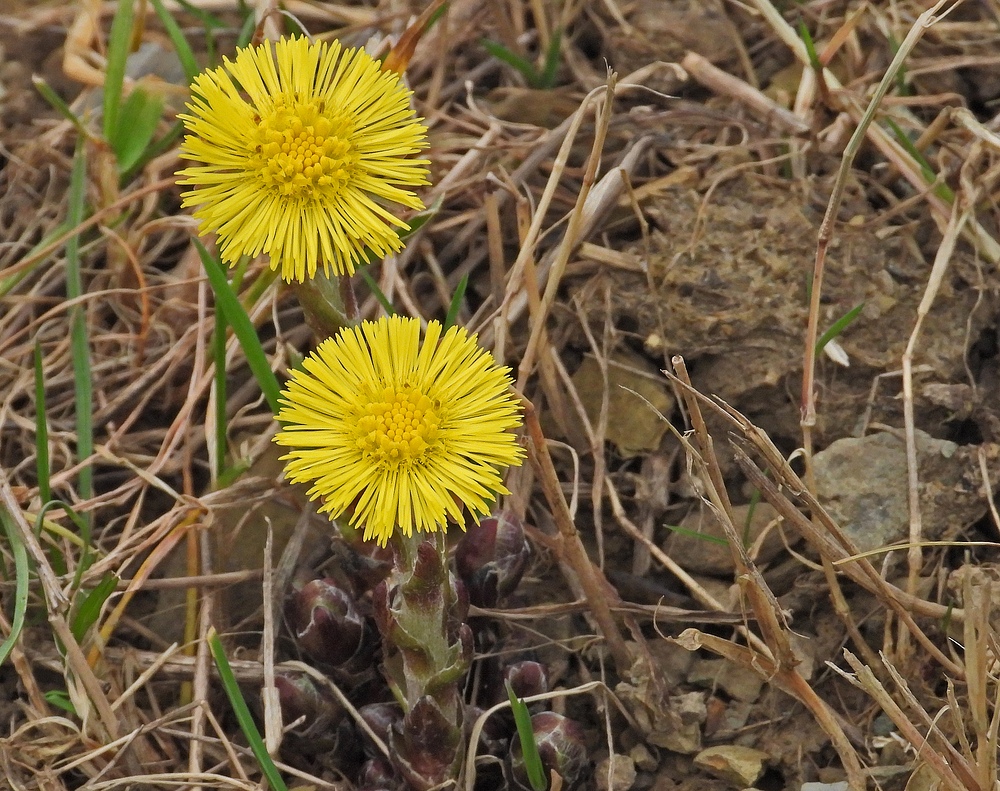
(491, 557)
(325, 621)
(527, 678)
(377, 775)
(561, 747)
(379, 717)
(494, 733)
(298, 697)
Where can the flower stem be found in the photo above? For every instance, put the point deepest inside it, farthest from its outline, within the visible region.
(348, 298)
(427, 651)
(323, 304)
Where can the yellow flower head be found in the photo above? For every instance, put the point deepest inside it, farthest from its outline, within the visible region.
(405, 433)
(300, 149)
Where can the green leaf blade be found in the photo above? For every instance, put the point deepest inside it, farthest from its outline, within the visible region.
(119, 43)
(838, 327)
(21, 574)
(140, 115)
(243, 716)
(89, 609)
(243, 328)
(526, 736)
(79, 339)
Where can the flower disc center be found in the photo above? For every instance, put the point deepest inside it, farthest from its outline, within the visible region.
(302, 152)
(398, 426)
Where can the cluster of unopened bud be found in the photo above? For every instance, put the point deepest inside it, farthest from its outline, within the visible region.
(333, 625)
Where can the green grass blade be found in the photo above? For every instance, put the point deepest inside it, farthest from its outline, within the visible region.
(903, 87)
(526, 735)
(246, 31)
(181, 46)
(209, 22)
(904, 140)
(58, 104)
(436, 16)
(383, 300)
(119, 43)
(942, 190)
(238, 319)
(231, 474)
(456, 302)
(810, 45)
(946, 618)
(418, 221)
(153, 150)
(415, 224)
(247, 725)
(89, 610)
(79, 342)
(139, 117)
(74, 517)
(41, 431)
(74, 216)
(686, 531)
(219, 358)
(61, 700)
(526, 67)
(9, 283)
(56, 557)
(547, 79)
(838, 326)
(257, 288)
(21, 572)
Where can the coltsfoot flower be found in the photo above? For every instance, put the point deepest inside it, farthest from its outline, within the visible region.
(301, 148)
(399, 434)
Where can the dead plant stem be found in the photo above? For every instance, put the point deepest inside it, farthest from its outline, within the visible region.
(598, 591)
(791, 681)
(753, 587)
(860, 572)
(571, 237)
(836, 198)
(865, 679)
(40, 255)
(942, 258)
(56, 605)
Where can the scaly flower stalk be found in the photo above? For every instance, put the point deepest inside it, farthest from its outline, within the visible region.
(428, 650)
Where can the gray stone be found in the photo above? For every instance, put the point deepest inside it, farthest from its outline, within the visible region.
(615, 773)
(701, 545)
(862, 483)
(644, 758)
(738, 682)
